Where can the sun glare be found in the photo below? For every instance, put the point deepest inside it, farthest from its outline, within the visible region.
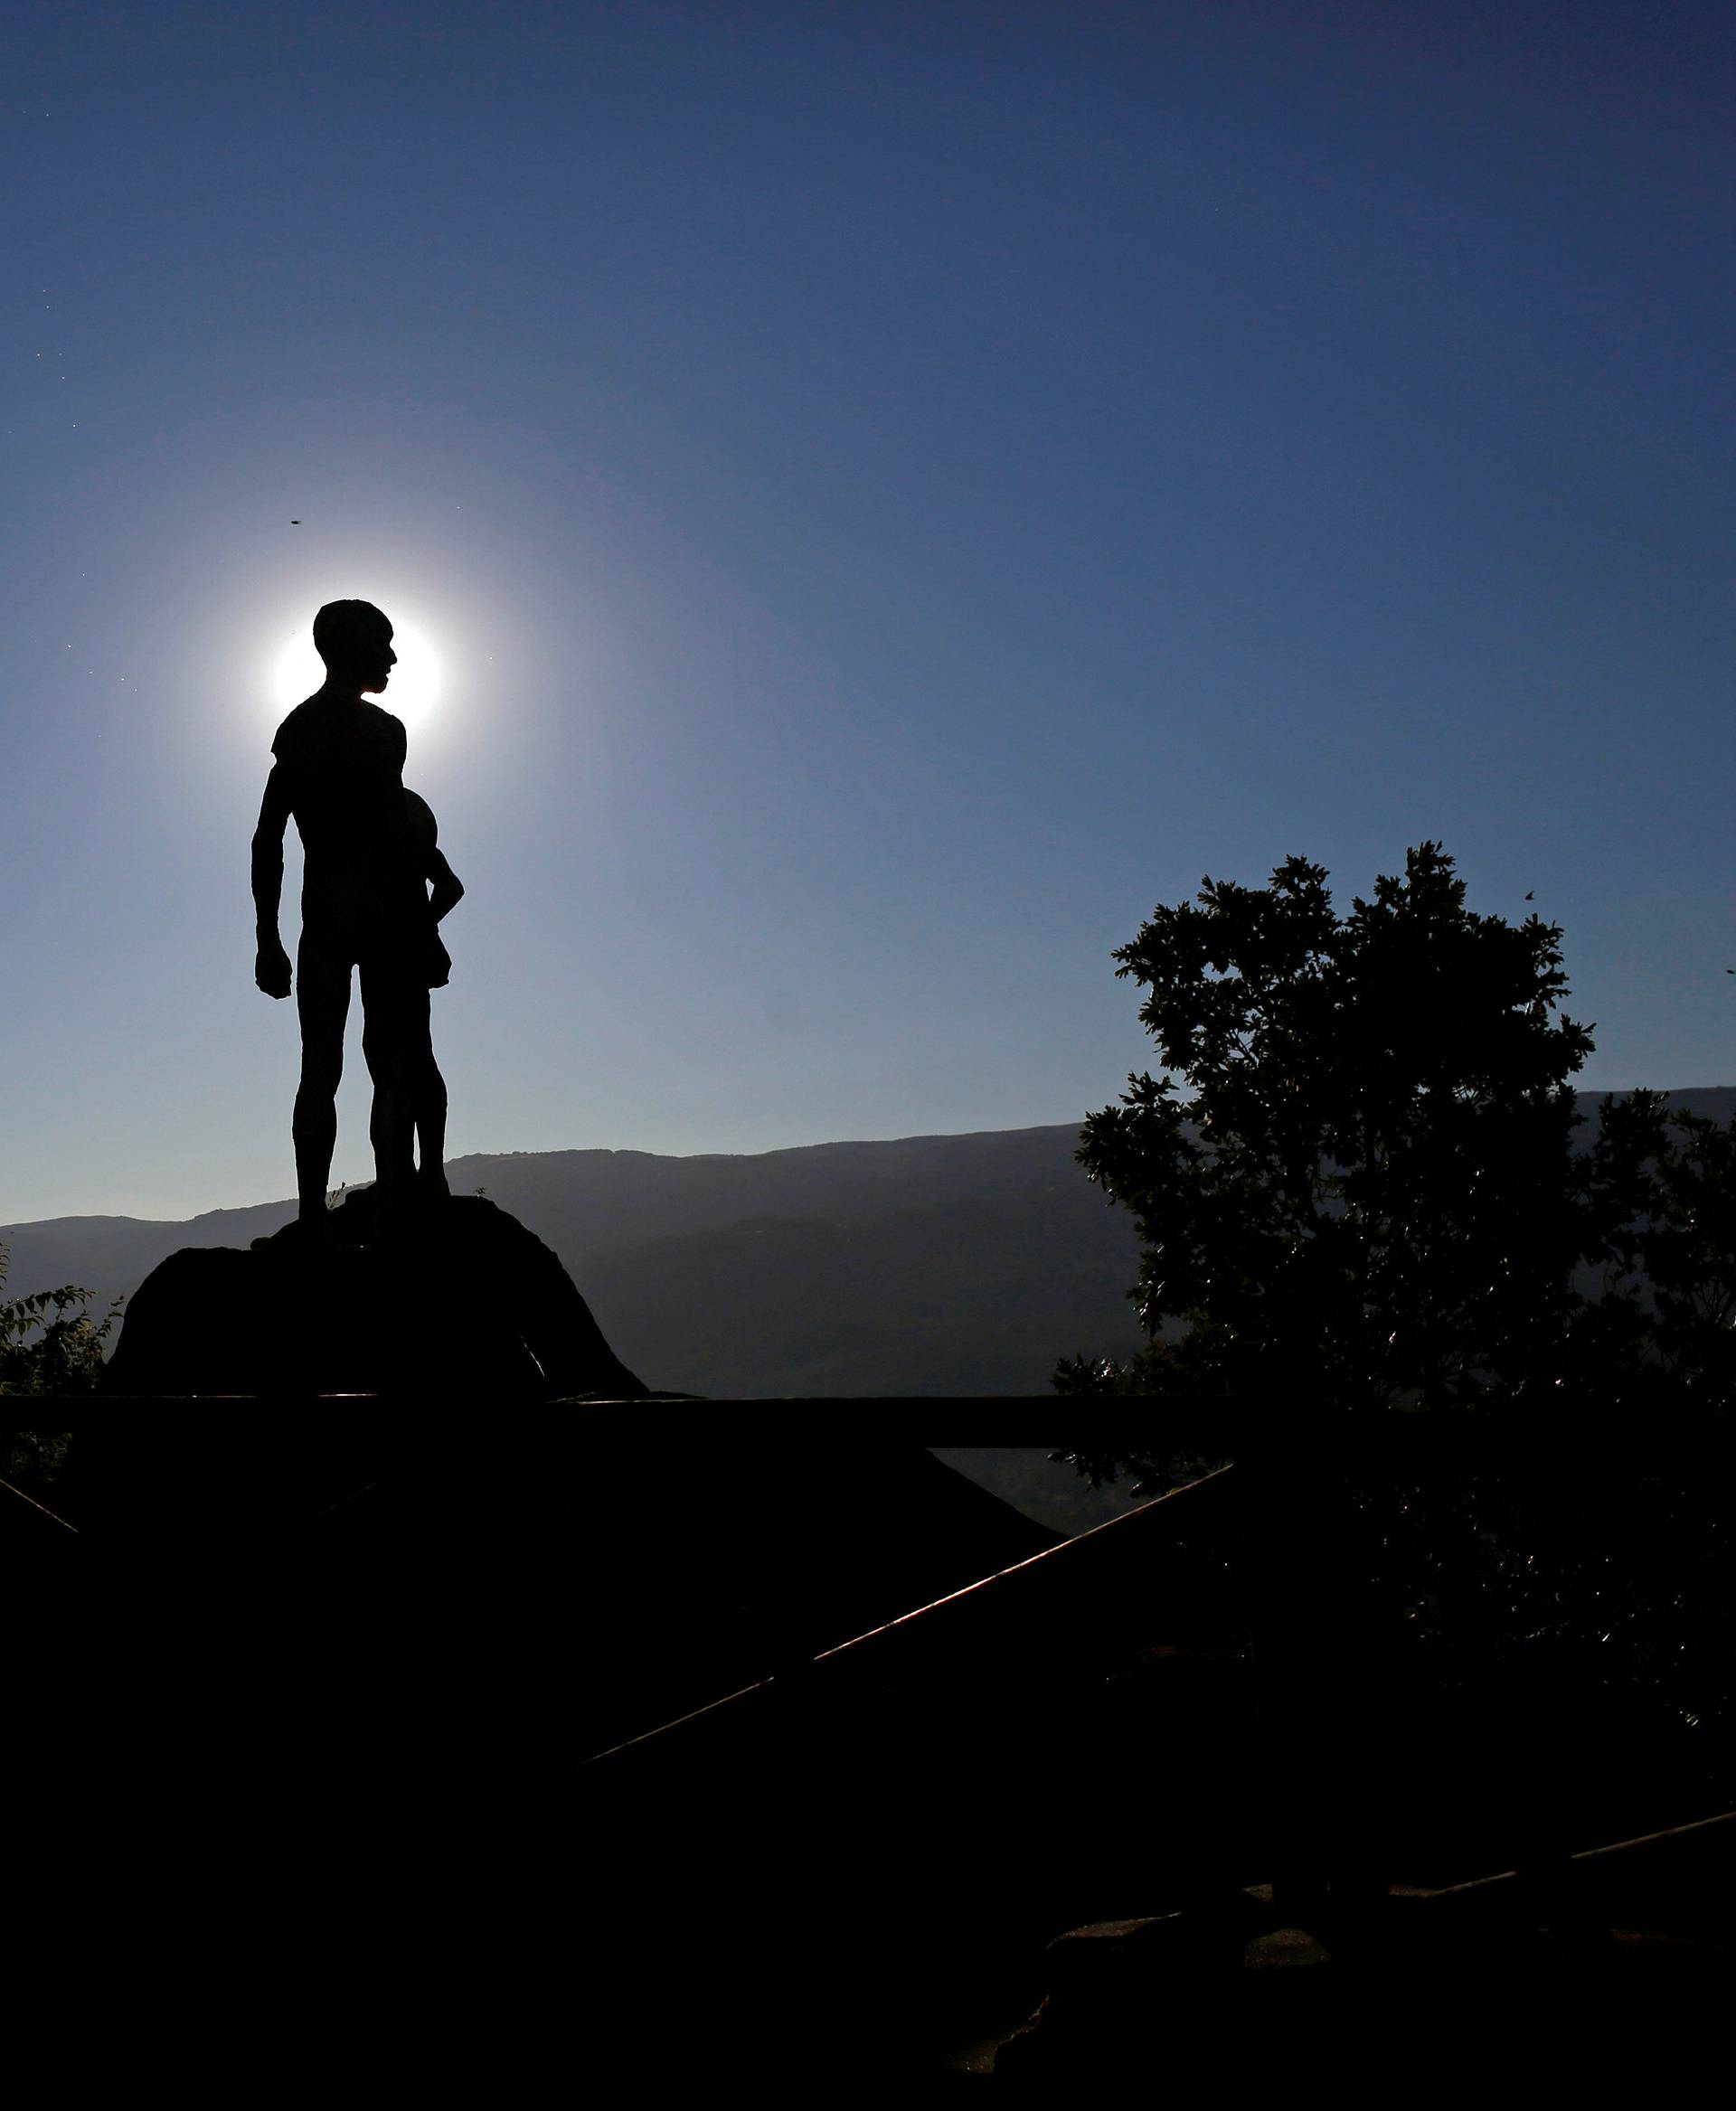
(411, 694)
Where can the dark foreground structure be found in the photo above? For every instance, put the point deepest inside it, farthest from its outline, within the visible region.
(745, 1743)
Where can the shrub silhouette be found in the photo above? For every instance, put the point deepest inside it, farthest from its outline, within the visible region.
(49, 1342)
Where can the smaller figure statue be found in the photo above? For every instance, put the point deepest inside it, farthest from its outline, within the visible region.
(437, 890)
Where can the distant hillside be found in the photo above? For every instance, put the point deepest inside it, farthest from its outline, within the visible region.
(956, 1265)
(930, 1265)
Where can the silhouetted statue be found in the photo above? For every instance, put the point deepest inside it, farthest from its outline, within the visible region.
(369, 851)
(451, 1296)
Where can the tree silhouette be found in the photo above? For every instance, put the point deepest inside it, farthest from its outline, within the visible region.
(1358, 1188)
(1372, 1191)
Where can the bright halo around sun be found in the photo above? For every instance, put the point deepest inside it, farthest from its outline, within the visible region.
(411, 694)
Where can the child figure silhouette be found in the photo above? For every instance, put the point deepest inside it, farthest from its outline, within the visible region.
(438, 890)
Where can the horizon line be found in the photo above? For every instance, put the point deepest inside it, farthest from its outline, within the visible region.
(682, 1157)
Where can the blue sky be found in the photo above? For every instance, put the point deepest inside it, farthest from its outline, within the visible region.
(895, 492)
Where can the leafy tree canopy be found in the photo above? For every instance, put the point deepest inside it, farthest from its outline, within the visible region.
(1373, 1194)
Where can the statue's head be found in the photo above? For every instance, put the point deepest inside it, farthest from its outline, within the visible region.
(355, 640)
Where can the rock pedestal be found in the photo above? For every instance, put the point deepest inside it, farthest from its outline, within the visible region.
(435, 1295)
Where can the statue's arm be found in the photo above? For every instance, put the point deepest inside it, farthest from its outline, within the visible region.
(448, 889)
(271, 963)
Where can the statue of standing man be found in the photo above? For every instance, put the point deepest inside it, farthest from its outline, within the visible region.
(369, 852)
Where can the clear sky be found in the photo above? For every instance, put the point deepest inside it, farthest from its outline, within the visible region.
(892, 493)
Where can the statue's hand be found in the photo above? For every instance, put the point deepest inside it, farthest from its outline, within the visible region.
(271, 970)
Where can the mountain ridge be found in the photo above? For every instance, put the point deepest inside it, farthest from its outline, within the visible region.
(959, 1263)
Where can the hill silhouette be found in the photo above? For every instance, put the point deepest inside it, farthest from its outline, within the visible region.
(930, 1265)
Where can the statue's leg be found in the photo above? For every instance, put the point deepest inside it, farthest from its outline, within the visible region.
(427, 1097)
(388, 1045)
(323, 1006)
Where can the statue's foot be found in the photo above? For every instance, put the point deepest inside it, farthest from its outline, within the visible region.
(431, 1181)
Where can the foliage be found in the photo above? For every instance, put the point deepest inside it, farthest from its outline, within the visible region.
(32, 1460)
(1664, 1331)
(1374, 1192)
(48, 1345)
(49, 1342)
(1373, 1200)
(1611, 1571)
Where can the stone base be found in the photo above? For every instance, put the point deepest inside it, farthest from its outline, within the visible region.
(428, 1296)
